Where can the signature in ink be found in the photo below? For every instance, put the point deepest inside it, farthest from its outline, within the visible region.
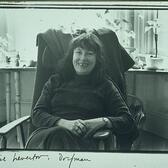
(72, 159)
(33, 157)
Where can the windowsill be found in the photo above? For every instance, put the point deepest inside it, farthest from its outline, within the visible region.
(149, 70)
(6, 68)
(130, 70)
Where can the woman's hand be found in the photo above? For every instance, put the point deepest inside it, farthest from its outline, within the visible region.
(77, 127)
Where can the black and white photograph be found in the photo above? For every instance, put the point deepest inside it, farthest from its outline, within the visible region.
(83, 78)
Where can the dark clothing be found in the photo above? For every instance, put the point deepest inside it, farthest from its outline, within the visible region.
(58, 138)
(117, 60)
(77, 99)
(52, 48)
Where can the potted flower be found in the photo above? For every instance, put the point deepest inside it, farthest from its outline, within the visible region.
(155, 62)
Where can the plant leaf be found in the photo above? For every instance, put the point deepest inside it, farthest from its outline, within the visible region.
(147, 28)
(125, 21)
(150, 22)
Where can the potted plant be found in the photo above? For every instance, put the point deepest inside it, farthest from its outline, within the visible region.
(154, 62)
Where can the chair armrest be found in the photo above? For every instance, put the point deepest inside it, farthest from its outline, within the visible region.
(106, 140)
(10, 126)
(136, 98)
(140, 115)
(101, 135)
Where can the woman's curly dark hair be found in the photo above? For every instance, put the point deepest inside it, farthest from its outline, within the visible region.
(89, 41)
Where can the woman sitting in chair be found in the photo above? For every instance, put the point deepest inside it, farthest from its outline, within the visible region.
(80, 99)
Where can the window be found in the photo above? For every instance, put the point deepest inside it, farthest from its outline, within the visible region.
(129, 25)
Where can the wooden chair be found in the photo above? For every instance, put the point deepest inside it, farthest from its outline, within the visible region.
(106, 140)
(50, 52)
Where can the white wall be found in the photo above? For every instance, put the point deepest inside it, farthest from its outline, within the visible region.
(151, 87)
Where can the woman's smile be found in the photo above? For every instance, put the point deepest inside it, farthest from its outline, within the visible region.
(84, 61)
(83, 65)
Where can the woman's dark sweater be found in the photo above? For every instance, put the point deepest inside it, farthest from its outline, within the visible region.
(78, 99)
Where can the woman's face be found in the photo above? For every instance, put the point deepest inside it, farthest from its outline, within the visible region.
(84, 61)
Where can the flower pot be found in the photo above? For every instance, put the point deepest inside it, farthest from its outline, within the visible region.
(155, 63)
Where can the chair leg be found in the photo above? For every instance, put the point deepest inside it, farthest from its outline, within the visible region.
(110, 143)
(101, 145)
(3, 142)
(20, 134)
